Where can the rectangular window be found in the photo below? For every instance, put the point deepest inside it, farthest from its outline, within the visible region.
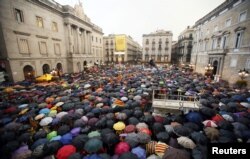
(23, 46)
(224, 42)
(96, 39)
(243, 16)
(54, 26)
(237, 40)
(57, 48)
(19, 15)
(39, 22)
(233, 62)
(92, 38)
(43, 47)
(100, 41)
(228, 22)
(213, 44)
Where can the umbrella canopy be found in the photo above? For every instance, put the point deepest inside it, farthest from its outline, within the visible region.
(128, 155)
(94, 134)
(173, 153)
(133, 121)
(199, 138)
(119, 126)
(121, 116)
(64, 129)
(194, 117)
(141, 126)
(160, 148)
(52, 147)
(65, 151)
(129, 129)
(186, 142)
(110, 139)
(209, 123)
(93, 145)
(21, 153)
(181, 131)
(46, 121)
(121, 148)
(146, 131)
(79, 141)
(143, 138)
(211, 133)
(132, 139)
(139, 152)
(163, 137)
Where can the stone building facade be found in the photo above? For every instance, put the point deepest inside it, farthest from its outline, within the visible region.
(38, 36)
(132, 53)
(157, 46)
(174, 54)
(184, 49)
(222, 39)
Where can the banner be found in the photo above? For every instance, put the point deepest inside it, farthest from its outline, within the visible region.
(120, 43)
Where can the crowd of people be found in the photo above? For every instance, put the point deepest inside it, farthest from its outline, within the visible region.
(108, 114)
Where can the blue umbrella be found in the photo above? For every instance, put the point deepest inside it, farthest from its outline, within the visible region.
(237, 98)
(44, 111)
(194, 117)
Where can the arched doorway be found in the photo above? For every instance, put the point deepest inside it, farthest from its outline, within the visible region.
(79, 66)
(85, 65)
(46, 69)
(59, 66)
(28, 72)
(215, 65)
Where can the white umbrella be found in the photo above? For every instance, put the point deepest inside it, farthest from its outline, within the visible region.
(124, 99)
(46, 121)
(186, 142)
(39, 116)
(61, 114)
(228, 117)
(87, 86)
(23, 106)
(143, 86)
(209, 123)
(99, 105)
(245, 104)
(59, 104)
(137, 97)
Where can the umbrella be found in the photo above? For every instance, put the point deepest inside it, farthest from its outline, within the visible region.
(79, 141)
(208, 112)
(59, 104)
(61, 114)
(110, 139)
(37, 152)
(163, 137)
(141, 126)
(65, 151)
(93, 145)
(86, 86)
(146, 131)
(181, 131)
(228, 117)
(44, 111)
(63, 130)
(94, 134)
(129, 129)
(194, 117)
(21, 153)
(124, 99)
(149, 119)
(199, 138)
(132, 139)
(174, 153)
(66, 139)
(121, 116)
(52, 147)
(46, 121)
(93, 156)
(158, 127)
(153, 157)
(121, 148)
(75, 131)
(39, 116)
(92, 121)
(186, 142)
(51, 135)
(119, 126)
(12, 126)
(209, 123)
(75, 156)
(225, 125)
(128, 155)
(38, 142)
(139, 152)
(133, 121)
(143, 138)
(211, 133)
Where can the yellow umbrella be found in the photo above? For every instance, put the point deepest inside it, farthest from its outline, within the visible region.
(53, 108)
(8, 90)
(52, 113)
(23, 111)
(119, 126)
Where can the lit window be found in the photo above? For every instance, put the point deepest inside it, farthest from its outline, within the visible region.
(54, 26)
(243, 16)
(228, 22)
(19, 15)
(39, 22)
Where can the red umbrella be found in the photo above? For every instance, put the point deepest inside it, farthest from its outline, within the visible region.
(121, 148)
(146, 131)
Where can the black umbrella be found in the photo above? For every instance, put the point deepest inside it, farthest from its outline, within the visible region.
(110, 123)
(51, 147)
(192, 126)
(226, 136)
(128, 112)
(133, 121)
(158, 127)
(75, 156)
(86, 130)
(207, 112)
(110, 139)
(79, 141)
(79, 123)
(106, 131)
(138, 113)
(199, 138)
(101, 123)
(64, 129)
(11, 146)
(225, 125)
(181, 131)
(199, 151)
(163, 137)
(25, 138)
(149, 119)
(128, 155)
(104, 156)
(40, 134)
(7, 136)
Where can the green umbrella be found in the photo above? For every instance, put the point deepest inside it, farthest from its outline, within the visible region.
(94, 134)
(93, 145)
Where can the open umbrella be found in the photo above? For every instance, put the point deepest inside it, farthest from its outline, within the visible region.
(132, 139)
(211, 133)
(110, 139)
(209, 123)
(51, 147)
(121, 116)
(162, 137)
(121, 148)
(186, 142)
(119, 126)
(139, 152)
(21, 153)
(93, 145)
(46, 121)
(141, 126)
(174, 153)
(94, 134)
(65, 151)
(181, 131)
(133, 121)
(143, 138)
(79, 141)
(129, 129)
(199, 138)
(160, 148)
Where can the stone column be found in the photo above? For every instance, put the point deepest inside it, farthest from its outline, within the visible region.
(90, 43)
(79, 40)
(70, 39)
(85, 41)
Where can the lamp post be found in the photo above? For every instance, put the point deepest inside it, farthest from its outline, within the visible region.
(208, 70)
(243, 74)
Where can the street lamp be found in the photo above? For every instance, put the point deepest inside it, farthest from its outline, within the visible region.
(243, 74)
(208, 70)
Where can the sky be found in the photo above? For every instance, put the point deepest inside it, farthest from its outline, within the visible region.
(138, 17)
